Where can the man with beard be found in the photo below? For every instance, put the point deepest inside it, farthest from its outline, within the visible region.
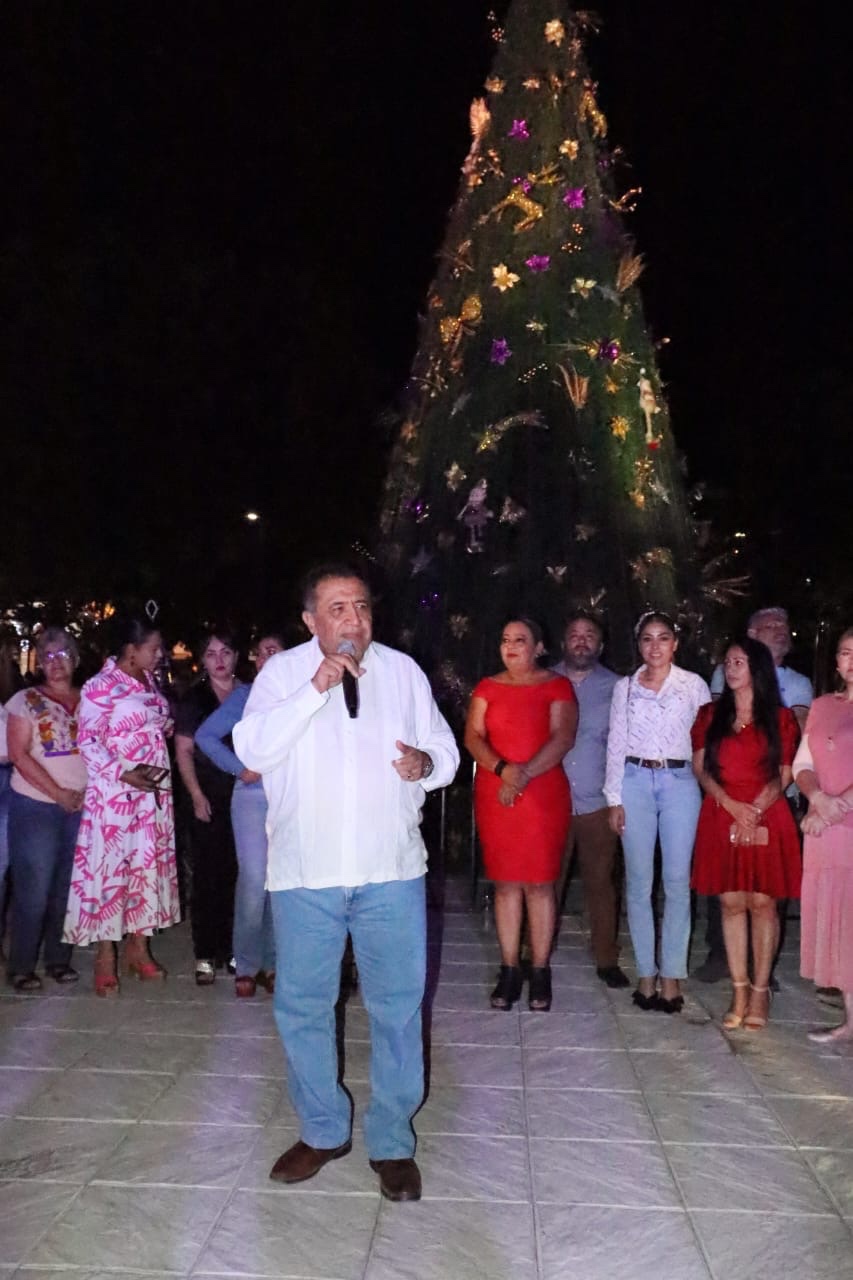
(590, 834)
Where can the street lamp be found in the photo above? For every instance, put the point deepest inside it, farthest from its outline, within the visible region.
(253, 518)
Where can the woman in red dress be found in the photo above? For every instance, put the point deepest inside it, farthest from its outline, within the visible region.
(521, 723)
(747, 847)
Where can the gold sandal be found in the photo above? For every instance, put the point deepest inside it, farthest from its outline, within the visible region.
(731, 1020)
(757, 1021)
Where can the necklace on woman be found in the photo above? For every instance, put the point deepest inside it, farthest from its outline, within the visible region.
(742, 722)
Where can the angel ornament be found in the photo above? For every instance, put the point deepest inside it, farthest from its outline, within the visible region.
(475, 515)
(648, 404)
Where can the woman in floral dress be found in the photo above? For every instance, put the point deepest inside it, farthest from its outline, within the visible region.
(125, 876)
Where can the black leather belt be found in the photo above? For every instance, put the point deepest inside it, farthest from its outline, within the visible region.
(656, 764)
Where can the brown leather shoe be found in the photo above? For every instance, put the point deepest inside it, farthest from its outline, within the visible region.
(398, 1179)
(301, 1162)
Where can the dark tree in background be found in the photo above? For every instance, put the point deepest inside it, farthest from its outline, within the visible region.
(535, 468)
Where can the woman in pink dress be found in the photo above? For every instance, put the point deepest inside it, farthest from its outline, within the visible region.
(823, 770)
(125, 876)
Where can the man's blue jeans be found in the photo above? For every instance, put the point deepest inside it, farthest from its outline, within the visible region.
(253, 941)
(387, 923)
(665, 802)
(42, 837)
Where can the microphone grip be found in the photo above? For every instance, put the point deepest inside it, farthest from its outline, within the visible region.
(351, 694)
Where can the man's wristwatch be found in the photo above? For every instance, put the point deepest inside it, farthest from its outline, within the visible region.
(429, 765)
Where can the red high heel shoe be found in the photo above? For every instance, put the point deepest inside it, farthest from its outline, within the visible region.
(106, 982)
(139, 963)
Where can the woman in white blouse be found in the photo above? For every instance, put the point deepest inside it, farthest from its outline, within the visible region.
(652, 793)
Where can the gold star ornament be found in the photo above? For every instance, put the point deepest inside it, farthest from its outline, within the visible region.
(504, 278)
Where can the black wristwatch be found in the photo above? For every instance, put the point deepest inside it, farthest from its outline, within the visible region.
(428, 767)
(499, 767)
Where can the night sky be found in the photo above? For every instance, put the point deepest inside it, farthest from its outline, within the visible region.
(221, 222)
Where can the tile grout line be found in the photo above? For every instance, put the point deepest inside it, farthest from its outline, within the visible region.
(534, 1204)
(700, 1246)
(229, 1198)
(824, 1187)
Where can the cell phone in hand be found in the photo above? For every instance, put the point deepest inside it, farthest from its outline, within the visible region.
(153, 773)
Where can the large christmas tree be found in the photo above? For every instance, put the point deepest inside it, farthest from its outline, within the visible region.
(535, 470)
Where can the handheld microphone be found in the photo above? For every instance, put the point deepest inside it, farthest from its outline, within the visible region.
(349, 682)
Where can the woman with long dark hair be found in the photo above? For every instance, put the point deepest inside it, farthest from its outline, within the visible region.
(254, 942)
(747, 848)
(652, 794)
(212, 855)
(125, 880)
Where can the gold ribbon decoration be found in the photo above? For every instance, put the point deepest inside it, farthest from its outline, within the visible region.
(588, 110)
(480, 118)
(626, 203)
(577, 386)
(515, 199)
(644, 565)
(454, 328)
(495, 431)
(631, 267)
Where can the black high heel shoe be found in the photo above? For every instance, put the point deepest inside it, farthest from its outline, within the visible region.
(508, 989)
(675, 1005)
(539, 989)
(646, 1002)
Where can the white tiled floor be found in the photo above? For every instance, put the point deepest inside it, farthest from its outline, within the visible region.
(136, 1136)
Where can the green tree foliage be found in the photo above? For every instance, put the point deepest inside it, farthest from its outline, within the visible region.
(535, 469)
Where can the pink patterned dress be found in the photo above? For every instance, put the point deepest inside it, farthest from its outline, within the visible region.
(125, 875)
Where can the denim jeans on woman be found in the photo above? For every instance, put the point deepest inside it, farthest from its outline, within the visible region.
(42, 837)
(662, 802)
(254, 943)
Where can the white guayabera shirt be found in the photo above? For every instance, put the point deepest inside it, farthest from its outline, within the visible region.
(338, 813)
(652, 726)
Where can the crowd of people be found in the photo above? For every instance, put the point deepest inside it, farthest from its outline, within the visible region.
(303, 830)
(88, 840)
(571, 759)
(303, 795)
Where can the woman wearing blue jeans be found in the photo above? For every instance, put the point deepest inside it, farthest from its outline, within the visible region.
(48, 783)
(652, 794)
(254, 944)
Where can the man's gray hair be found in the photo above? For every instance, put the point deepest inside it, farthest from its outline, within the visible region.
(771, 611)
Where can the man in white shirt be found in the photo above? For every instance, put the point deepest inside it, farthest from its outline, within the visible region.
(345, 771)
(772, 628)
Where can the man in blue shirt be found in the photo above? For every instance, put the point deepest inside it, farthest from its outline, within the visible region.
(772, 628)
(590, 834)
